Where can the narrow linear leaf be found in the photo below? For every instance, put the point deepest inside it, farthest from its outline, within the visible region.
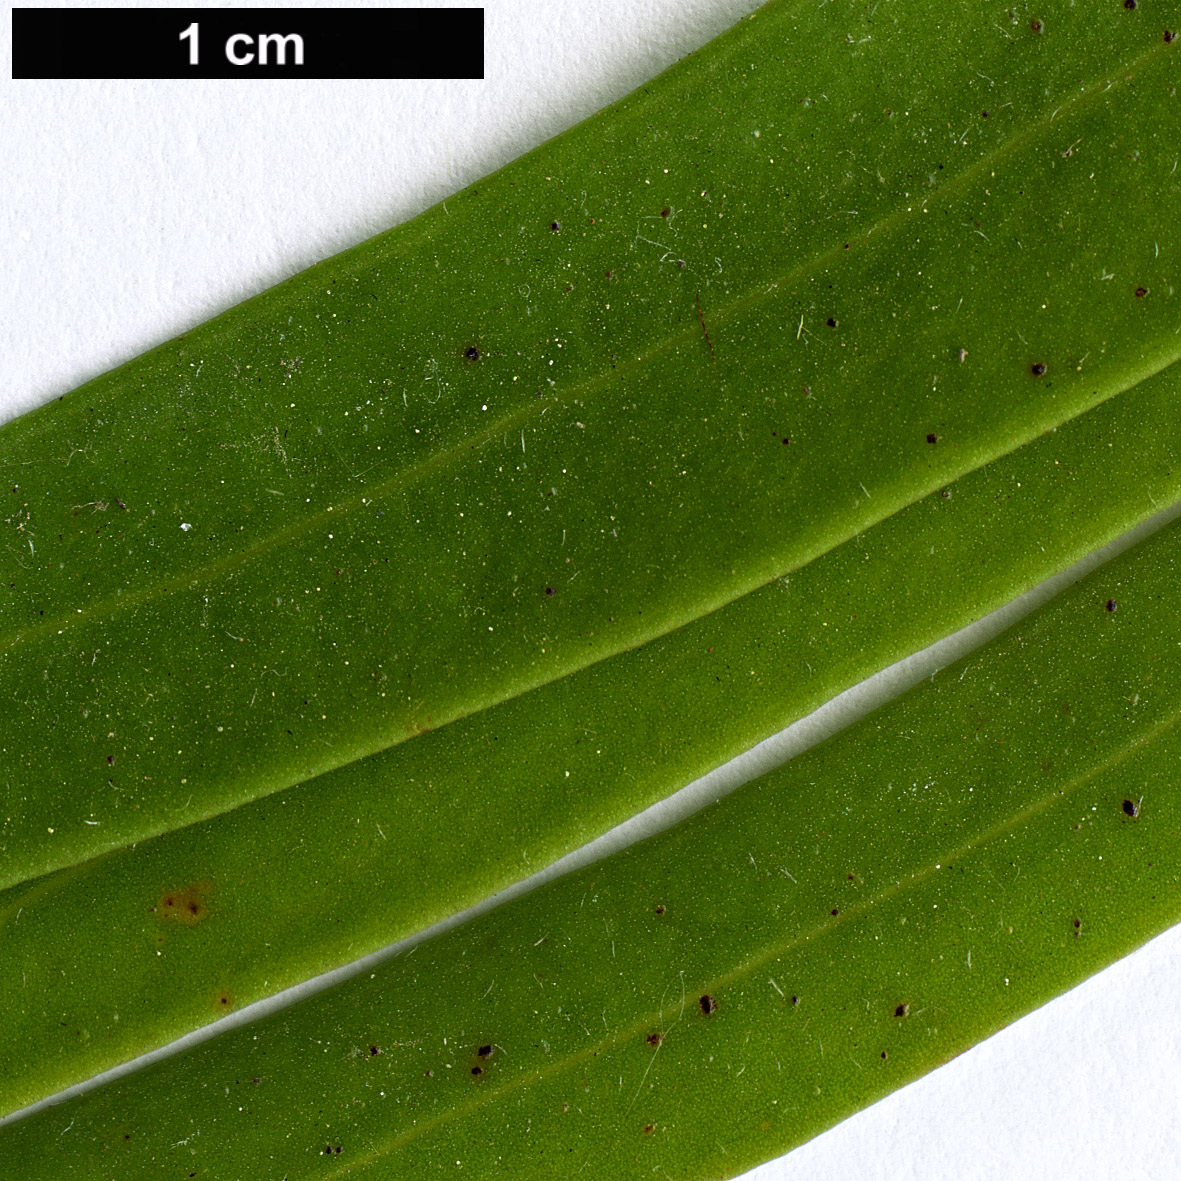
(328, 520)
(825, 934)
(119, 955)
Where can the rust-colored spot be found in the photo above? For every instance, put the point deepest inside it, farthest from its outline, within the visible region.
(649, 1129)
(654, 1040)
(225, 1001)
(188, 905)
(1141, 292)
(660, 910)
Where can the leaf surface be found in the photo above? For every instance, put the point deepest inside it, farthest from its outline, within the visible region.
(822, 936)
(711, 525)
(332, 518)
(121, 954)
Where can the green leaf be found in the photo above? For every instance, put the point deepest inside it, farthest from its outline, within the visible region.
(345, 500)
(731, 987)
(223, 913)
(657, 437)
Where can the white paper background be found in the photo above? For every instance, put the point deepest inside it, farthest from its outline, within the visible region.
(132, 211)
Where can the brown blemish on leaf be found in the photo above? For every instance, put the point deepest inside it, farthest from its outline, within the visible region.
(903, 1010)
(649, 1129)
(709, 1005)
(225, 1002)
(1132, 807)
(660, 910)
(1037, 369)
(654, 1040)
(187, 905)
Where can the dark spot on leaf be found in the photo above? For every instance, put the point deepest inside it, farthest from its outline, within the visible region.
(1037, 369)
(649, 1129)
(1131, 807)
(1078, 923)
(654, 1039)
(1111, 605)
(831, 322)
(1130, 4)
(477, 1071)
(884, 1055)
(983, 114)
(945, 493)
(472, 353)
(932, 438)
(1170, 36)
(660, 910)
(786, 440)
(795, 1000)
(549, 590)
(555, 226)
(665, 211)
(374, 1051)
(835, 911)
(224, 1001)
(1141, 292)
(708, 1004)
(110, 760)
(903, 1010)
(485, 1051)
(187, 906)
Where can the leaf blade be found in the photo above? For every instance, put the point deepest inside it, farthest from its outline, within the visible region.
(225, 632)
(805, 884)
